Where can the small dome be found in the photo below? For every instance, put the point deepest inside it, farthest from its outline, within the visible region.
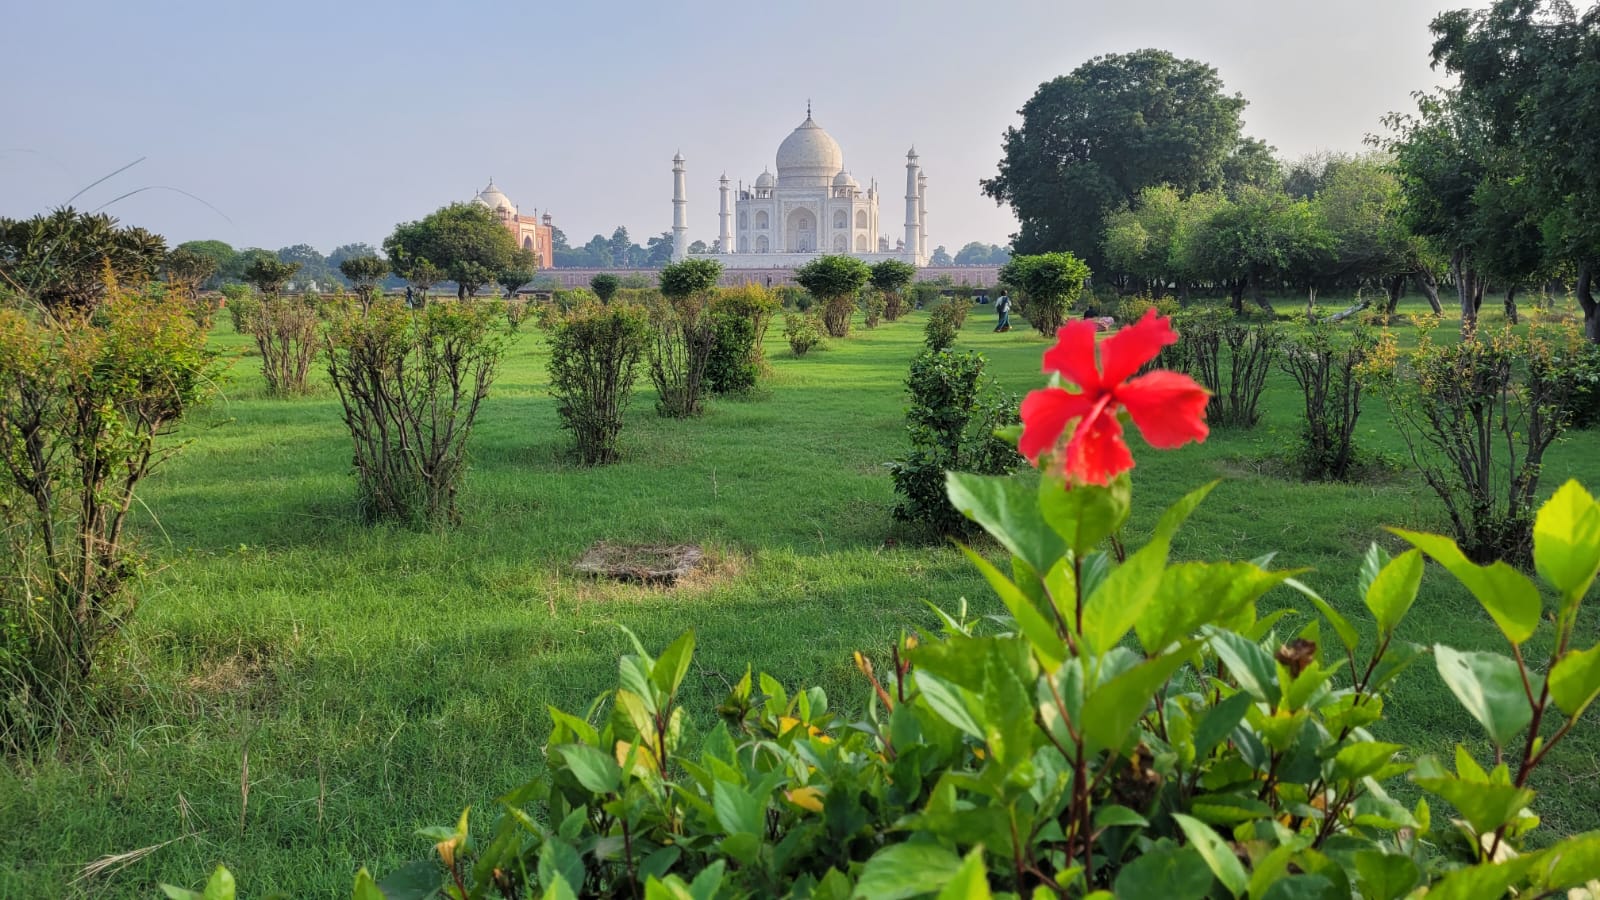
(765, 180)
(842, 179)
(809, 157)
(494, 198)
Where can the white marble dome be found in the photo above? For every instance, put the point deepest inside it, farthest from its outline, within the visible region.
(494, 198)
(766, 180)
(809, 157)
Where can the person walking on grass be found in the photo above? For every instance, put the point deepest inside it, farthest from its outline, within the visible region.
(1002, 308)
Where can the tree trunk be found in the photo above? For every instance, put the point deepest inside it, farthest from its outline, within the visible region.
(1350, 310)
(1258, 292)
(1236, 294)
(1479, 283)
(1311, 302)
(1394, 286)
(1183, 293)
(1511, 304)
(1464, 289)
(1585, 292)
(1429, 286)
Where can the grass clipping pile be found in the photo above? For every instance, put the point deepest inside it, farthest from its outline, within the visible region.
(660, 564)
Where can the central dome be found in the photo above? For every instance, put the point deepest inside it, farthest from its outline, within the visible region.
(809, 157)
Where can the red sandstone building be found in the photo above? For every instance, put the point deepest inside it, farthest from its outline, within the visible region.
(531, 232)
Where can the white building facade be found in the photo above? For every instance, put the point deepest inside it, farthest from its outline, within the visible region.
(811, 207)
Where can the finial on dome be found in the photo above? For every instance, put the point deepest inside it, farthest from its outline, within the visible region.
(808, 107)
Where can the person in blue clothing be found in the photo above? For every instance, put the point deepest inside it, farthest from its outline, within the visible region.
(1002, 308)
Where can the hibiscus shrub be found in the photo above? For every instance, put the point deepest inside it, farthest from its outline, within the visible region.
(955, 413)
(1231, 356)
(1133, 728)
(944, 326)
(802, 332)
(595, 350)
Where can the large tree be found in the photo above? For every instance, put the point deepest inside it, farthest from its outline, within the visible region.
(1260, 238)
(228, 266)
(1529, 72)
(1091, 140)
(62, 259)
(464, 241)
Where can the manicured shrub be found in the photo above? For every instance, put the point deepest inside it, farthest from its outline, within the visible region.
(834, 281)
(954, 414)
(1048, 284)
(594, 357)
(411, 384)
(1325, 362)
(84, 404)
(1132, 309)
(891, 277)
(739, 357)
(285, 332)
(1133, 727)
(1583, 405)
(516, 313)
(684, 336)
(802, 332)
(873, 305)
(1231, 356)
(240, 301)
(1477, 416)
(605, 286)
(944, 325)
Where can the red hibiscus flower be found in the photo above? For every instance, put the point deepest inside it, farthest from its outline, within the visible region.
(1169, 408)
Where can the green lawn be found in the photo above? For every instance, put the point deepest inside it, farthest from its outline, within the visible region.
(378, 680)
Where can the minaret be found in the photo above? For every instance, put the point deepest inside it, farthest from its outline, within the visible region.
(913, 208)
(922, 213)
(725, 233)
(680, 210)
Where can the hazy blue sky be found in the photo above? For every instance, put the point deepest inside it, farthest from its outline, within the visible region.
(327, 123)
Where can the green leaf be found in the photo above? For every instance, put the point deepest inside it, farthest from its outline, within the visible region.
(1575, 681)
(417, 880)
(218, 887)
(1178, 513)
(949, 702)
(1194, 594)
(1009, 511)
(1115, 814)
(738, 810)
(1040, 632)
(1121, 599)
(907, 870)
(1484, 806)
(1372, 562)
(1490, 687)
(366, 888)
(1360, 760)
(1480, 881)
(971, 881)
(668, 672)
(1217, 854)
(1566, 540)
(1348, 636)
(1084, 515)
(1299, 887)
(1385, 876)
(1570, 863)
(1506, 594)
(1220, 722)
(1394, 590)
(1112, 708)
(1254, 670)
(597, 771)
(1164, 873)
(560, 862)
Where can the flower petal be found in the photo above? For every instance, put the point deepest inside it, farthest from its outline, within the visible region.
(1123, 353)
(1168, 407)
(1097, 454)
(1045, 414)
(1073, 355)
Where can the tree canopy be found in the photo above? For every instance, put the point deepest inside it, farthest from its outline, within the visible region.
(60, 259)
(1091, 140)
(463, 241)
(831, 277)
(690, 277)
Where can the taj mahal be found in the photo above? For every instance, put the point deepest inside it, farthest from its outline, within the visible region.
(812, 206)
